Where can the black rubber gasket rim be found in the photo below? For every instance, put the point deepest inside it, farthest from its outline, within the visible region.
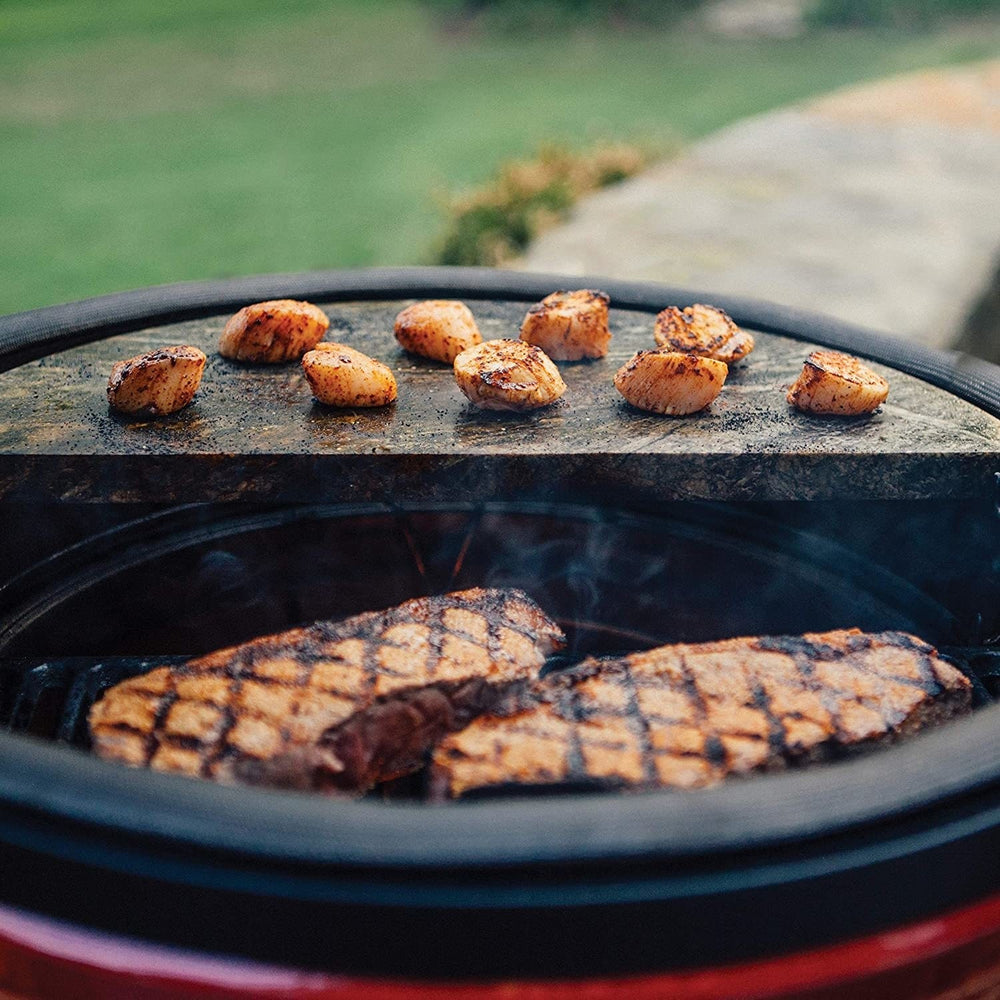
(911, 834)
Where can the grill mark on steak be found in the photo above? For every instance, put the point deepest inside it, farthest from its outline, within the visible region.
(708, 711)
(436, 644)
(803, 654)
(775, 730)
(640, 725)
(162, 711)
(213, 755)
(305, 676)
(713, 749)
(269, 696)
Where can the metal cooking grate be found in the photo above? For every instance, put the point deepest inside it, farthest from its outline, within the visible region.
(51, 700)
(981, 664)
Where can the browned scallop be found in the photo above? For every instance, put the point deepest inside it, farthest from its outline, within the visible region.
(508, 375)
(703, 330)
(158, 382)
(835, 384)
(569, 326)
(341, 376)
(272, 332)
(670, 383)
(438, 329)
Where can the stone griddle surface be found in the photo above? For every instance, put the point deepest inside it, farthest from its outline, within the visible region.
(255, 432)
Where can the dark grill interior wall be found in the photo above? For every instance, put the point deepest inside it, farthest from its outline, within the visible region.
(948, 550)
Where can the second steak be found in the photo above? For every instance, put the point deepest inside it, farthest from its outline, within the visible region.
(687, 716)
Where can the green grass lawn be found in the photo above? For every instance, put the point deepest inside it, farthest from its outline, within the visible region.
(145, 143)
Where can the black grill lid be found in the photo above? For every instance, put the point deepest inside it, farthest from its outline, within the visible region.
(254, 432)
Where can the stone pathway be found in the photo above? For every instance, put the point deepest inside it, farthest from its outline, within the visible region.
(879, 205)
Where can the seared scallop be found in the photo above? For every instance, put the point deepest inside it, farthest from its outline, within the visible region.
(835, 384)
(703, 330)
(341, 376)
(437, 329)
(670, 383)
(569, 326)
(158, 382)
(508, 375)
(272, 332)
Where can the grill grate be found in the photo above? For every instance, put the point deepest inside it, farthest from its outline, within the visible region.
(981, 664)
(51, 700)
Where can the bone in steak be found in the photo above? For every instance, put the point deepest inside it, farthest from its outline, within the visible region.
(221, 715)
(687, 716)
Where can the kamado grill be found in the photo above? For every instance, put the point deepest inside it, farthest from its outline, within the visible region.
(128, 543)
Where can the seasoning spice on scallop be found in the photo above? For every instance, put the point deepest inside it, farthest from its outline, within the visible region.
(508, 375)
(703, 330)
(669, 383)
(341, 376)
(158, 382)
(437, 329)
(569, 326)
(835, 384)
(274, 331)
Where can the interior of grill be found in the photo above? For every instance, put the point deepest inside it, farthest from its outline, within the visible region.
(615, 581)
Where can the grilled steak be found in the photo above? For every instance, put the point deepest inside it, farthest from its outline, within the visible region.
(220, 716)
(687, 716)
(387, 739)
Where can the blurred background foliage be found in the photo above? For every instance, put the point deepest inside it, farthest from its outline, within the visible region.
(530, 15)
(524, 16)
(149, 142)
(895, 13)
(493, 223)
